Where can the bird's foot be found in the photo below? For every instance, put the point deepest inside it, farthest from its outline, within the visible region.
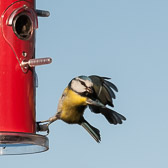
(42, 127)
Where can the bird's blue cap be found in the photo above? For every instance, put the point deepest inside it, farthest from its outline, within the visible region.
(84, 77)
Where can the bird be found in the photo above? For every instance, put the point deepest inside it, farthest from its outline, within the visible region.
(83, 91)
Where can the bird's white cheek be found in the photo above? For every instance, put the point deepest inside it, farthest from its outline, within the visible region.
(79, 89)
(76, 86)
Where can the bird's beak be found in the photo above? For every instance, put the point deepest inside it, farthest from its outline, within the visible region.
(89, 90)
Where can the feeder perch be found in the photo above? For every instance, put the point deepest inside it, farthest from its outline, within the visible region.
(18, 22)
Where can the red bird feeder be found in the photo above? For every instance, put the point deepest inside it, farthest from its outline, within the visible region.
(18, 23)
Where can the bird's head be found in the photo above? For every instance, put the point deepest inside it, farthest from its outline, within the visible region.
(82, 85)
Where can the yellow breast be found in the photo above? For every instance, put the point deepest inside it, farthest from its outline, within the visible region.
(73, 106)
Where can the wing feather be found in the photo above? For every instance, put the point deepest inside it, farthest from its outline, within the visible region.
(104, 92)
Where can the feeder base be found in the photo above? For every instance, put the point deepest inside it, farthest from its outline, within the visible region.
(12, 143)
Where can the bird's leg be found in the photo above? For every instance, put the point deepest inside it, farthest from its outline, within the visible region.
(45, 127)
(44, 121)
(49, 121)
(52, 119)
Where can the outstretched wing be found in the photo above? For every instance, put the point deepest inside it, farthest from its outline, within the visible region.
(104, 95)
(104, 90)
(112, 116)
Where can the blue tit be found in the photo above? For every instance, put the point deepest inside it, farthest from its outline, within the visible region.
(94, 92)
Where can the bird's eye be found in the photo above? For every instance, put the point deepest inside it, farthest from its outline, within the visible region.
(83, 83)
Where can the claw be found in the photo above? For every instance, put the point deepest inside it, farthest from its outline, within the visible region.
(42, 128)
(48, 131)
(45, 127)
(44, 121)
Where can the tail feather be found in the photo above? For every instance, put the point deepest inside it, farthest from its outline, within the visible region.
(94, 132)
(112, 116)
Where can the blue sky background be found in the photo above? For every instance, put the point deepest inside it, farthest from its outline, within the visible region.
(126, 40)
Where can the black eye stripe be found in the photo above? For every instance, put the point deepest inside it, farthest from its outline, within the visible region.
(83, 83)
